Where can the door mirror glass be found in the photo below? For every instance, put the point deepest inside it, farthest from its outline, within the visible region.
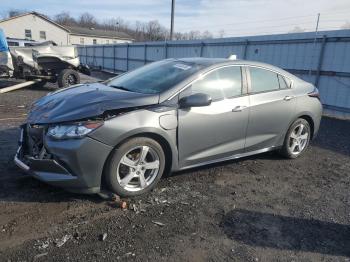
(195, 100)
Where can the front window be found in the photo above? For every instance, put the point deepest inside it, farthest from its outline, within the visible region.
(28, 34)
(155, 77)
(43, 35)
(221, 83)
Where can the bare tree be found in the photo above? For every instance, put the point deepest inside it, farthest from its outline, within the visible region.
(221, 33)
(193, 35)
(297, 29)
(140, 31)
(206, 35)
(64, 18)
(13, 12)
(346, 25)
(87, 20)
(155, 31)
(179, 36)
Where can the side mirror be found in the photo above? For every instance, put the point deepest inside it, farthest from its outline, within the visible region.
(195, 100)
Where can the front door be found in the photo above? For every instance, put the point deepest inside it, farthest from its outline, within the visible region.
(217, 131)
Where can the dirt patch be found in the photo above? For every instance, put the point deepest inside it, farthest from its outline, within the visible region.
(261, 208)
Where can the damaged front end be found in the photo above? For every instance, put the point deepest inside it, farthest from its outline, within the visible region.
(60, 144)
(45, 61)
(32, 152)
(68, 163)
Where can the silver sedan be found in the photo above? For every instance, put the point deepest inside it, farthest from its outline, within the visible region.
(175, 114)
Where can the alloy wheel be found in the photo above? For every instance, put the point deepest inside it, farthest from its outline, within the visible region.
(298, 139)
(138, 168)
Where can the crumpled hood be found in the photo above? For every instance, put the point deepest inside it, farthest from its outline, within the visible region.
(84, 101)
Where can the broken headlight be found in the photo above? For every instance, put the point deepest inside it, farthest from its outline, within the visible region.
(76, 130)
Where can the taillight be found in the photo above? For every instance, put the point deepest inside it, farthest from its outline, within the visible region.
(315, 94)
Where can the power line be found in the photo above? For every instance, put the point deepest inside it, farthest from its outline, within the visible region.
(251, 21)
(308, 17)
(231, 33)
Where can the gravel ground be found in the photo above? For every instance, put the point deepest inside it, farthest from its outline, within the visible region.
(261, 208)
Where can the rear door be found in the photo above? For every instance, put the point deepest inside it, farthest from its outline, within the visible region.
(216, 131)
(272, 107)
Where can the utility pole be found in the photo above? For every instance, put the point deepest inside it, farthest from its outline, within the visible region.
(315, 40)
(172, 19)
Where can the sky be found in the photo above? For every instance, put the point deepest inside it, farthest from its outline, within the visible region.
(221, 17)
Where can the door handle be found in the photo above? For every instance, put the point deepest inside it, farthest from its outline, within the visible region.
(238, 108)
(287, 98)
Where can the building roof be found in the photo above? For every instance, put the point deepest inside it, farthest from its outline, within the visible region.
(97, 32)
(36, 14)
(78, 30)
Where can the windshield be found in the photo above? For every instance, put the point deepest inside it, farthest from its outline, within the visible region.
(155, 77)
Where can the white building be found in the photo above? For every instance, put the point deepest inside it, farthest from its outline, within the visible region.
(37, 27)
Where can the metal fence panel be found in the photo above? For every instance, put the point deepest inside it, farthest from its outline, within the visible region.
(324, 61)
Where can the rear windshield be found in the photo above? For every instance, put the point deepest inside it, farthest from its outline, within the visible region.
(155, 77)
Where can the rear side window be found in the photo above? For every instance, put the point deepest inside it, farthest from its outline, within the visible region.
(288, 82)
(263, 80)
(283, 83)
(222, 83)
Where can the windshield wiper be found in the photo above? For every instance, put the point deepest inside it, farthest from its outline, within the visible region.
(121, 88)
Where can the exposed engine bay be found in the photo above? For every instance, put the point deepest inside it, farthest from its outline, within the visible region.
(45, 61)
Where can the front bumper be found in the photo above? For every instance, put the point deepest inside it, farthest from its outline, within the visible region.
(76, 164)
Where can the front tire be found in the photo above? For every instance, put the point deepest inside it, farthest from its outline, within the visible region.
(297, 139)
(135, 167)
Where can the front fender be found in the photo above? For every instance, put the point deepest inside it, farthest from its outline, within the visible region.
(137, 123)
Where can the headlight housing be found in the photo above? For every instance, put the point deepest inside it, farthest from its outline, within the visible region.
(75, 130)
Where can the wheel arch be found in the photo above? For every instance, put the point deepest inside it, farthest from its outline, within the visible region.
(311, 122)
(170, 151)
(306, 116)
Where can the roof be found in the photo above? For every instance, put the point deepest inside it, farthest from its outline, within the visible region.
(78, 30)
(204, 60)
(36, 14)
(207, 62)
(97, 32)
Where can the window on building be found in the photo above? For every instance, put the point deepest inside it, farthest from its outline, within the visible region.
(94, 41)
(107, 41)
(263, 80)
(28, 34)
(81, 40)
(114, 42)
(11, 43)
(222, 83)
(43, 35)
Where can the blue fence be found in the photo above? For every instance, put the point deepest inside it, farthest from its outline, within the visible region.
(323, 60)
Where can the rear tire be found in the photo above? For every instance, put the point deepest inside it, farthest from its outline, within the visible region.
(297, 139)
(135, 167)
(68, 77)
